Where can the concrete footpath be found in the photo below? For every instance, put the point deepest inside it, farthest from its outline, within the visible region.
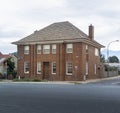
(63, 82)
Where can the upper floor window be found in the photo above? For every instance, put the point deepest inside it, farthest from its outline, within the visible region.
(26, 67)
(26, 49)
(69, 48)
(69, 68)
(53, 67)
(96, 52)
(54, 48)
(38, 49)
(38, 67)
(46, 49)
(86, 48)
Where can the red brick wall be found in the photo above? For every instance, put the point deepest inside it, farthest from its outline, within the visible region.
(78, 59)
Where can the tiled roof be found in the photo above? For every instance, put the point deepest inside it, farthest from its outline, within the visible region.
(4, 55)
(55, 32)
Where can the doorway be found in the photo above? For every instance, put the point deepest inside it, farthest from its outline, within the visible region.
(46, 70)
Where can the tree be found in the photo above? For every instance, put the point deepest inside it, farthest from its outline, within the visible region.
(10, 67)
(102, 58)
(113, 59)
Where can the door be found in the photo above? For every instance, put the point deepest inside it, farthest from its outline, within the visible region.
(46, 70)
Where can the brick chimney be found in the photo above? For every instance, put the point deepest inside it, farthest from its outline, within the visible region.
(91, 32)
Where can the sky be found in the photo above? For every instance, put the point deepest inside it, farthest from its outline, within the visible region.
(20, 18)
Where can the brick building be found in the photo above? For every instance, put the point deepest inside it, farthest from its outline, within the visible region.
(60, 51)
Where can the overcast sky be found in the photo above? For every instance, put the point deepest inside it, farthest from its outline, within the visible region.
(20, 18)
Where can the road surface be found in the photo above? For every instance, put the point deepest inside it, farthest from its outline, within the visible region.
(101, 97)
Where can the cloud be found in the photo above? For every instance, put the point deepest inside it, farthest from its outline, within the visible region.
(20, 18)
(6, 46)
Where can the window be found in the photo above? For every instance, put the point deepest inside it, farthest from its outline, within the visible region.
(38, 49)
(95, 69)
(54, 49)
(26, 67)
(96, 52)
(38, 67)
(26, 49)
(69, 48)
(53, 67)
(46, 49)
(86, 49)
(86, 68)
(69, 68)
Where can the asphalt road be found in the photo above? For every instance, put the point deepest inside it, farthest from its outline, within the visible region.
(53, 98)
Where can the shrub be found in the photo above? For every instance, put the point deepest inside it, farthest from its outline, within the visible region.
(27, 79)
(36, 80)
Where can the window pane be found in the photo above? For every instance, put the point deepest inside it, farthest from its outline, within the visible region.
(54, 68)
(54, 49)
(69, 68)
(86, 48)
(96, 52)
(38, 67)
(26, 67)
(95, 69)
(38, 49)
(86, 68)
(69, 48)
(26, 49)
(46, 49)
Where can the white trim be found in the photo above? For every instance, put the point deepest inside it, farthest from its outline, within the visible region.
(52, 67)
(69, 48)
(39, 49)
(95, 69)
(68, 67)
(46, 49)
(96, 52)
(54, 49)
(38, 67)
(26, 49)
(26, 65)
(86, 67)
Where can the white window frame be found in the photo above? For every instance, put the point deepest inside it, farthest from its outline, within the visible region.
(96, 52)
(26, 49)
(86, 67)
(26, 67)
(69, 67)
(54, 49)
(69, 48)
(95, 69)
(38, 67)
(53, 67)
(46, 49)
(87, 49)
(39, 49)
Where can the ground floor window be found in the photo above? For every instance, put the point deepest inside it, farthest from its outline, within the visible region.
(26, 67)
(86, 68)
(38, 67)
(53, 67)
(69, 68)
(95, 70)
